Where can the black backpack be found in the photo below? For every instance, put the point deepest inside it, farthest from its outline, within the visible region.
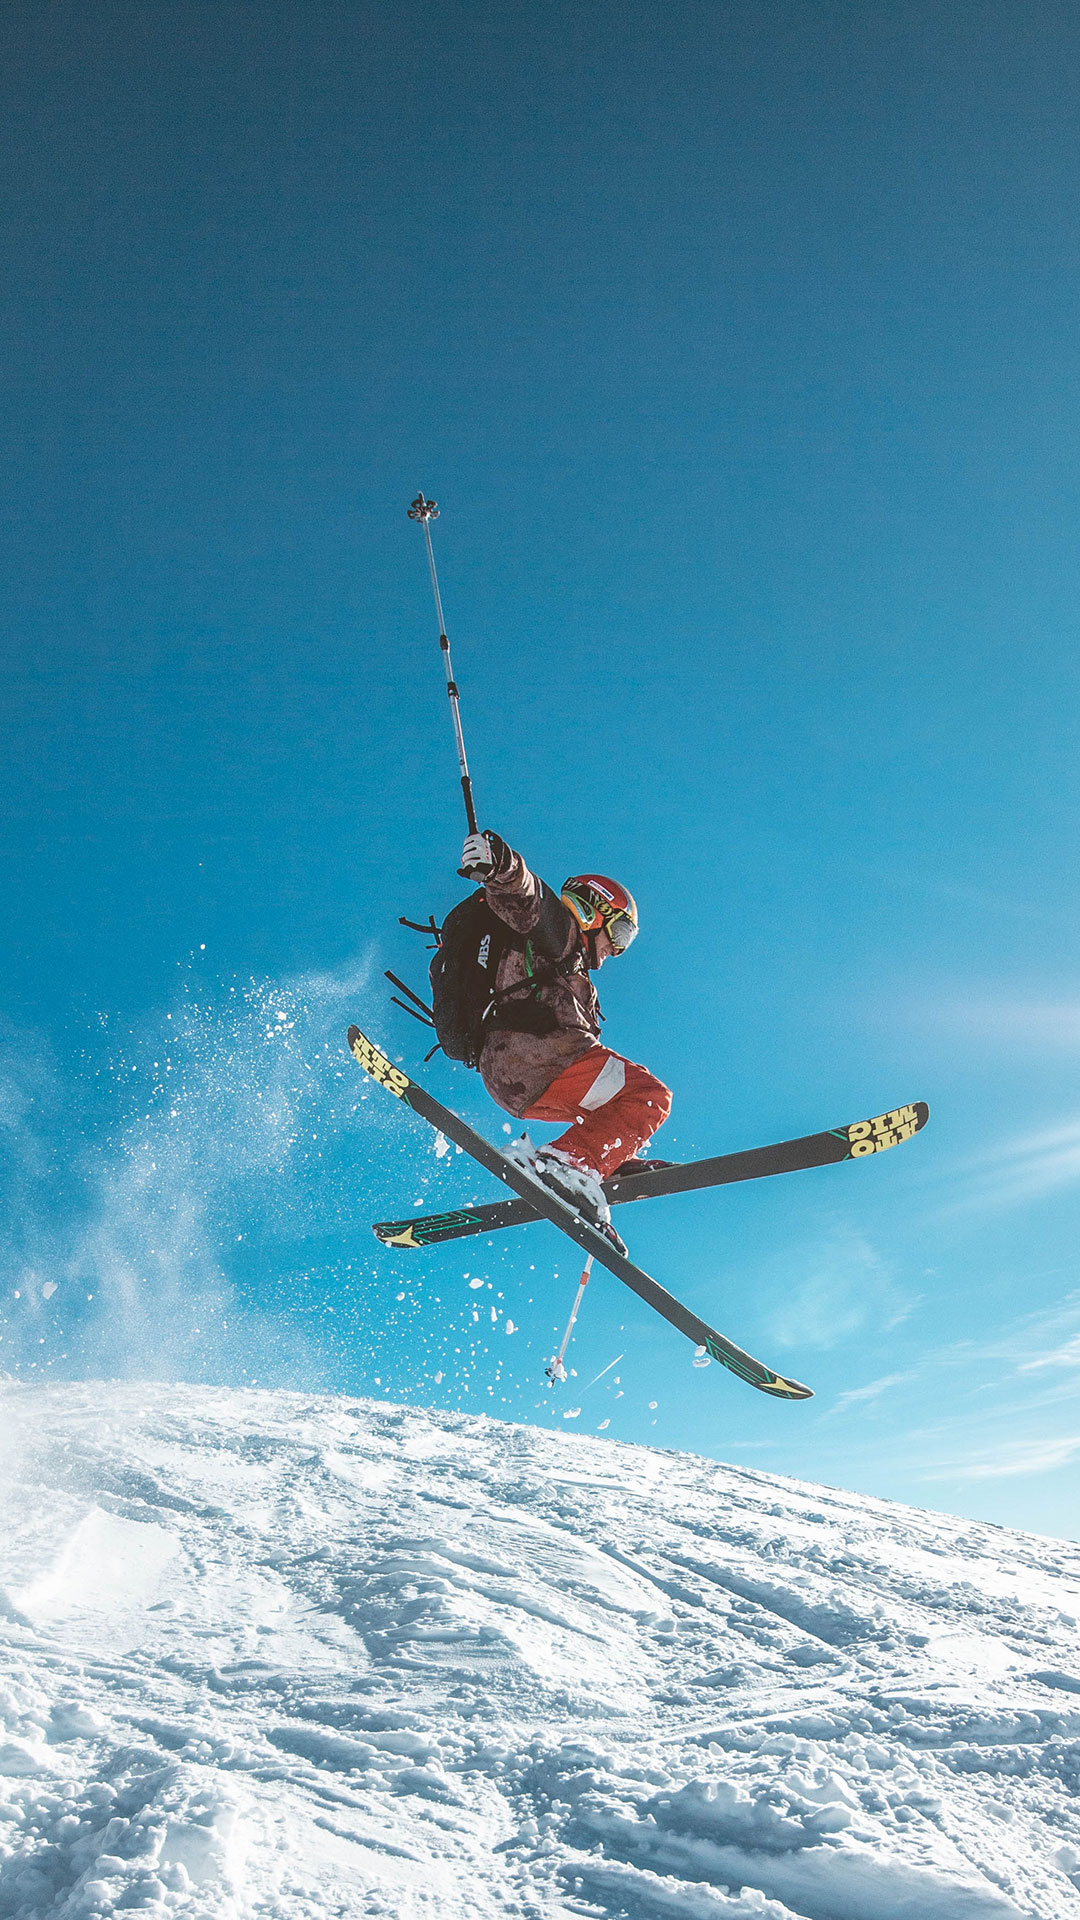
(465, 1003)
(463, 975)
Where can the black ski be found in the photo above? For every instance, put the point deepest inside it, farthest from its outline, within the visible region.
(542, 1202)
(853, 1142)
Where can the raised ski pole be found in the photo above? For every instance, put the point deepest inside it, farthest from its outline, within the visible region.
(555, 1370)
(426, 511)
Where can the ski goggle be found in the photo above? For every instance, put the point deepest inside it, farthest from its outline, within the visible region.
(621, 929)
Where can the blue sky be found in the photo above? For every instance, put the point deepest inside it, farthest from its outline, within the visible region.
(738, 345)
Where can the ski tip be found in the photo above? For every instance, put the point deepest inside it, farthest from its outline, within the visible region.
(782, 1389)
(754, 1372)
(396, 1233)
(427, 1230)
(884, 1130)
(374, 1062)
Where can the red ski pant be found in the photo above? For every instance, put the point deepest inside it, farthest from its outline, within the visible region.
(614, 1107)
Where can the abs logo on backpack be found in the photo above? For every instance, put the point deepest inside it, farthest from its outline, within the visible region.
(485, 949)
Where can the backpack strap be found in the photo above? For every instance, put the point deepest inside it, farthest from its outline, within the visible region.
(537, 978)
(418, 926)
(414, 997)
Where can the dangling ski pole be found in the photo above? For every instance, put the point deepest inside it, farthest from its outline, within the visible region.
(555, 1370)
(426, 511)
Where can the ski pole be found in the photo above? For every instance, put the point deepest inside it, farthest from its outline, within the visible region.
(555, 1370)
(426, 511)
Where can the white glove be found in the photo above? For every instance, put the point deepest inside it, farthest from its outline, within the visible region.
(476, 856)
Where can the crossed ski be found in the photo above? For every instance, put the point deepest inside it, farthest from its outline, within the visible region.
(542, 1202)
(855, 1141)
(852, 1142)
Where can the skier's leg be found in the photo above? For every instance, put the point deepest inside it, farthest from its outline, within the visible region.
(613, 1105)
(615, 1129)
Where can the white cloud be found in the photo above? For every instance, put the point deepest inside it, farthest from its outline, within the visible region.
(832, 1287)
(994, 1409)
(1024, 1168)
(1048, 1338)
(1009, 1458)
(873, 1390)
(1067, 1355)
(1039, 1026)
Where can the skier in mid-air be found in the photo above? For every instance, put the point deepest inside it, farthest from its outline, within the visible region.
(542, 1057)
(511, 994)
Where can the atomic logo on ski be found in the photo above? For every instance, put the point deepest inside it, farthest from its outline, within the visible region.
(379, 1067)
(887, 1130)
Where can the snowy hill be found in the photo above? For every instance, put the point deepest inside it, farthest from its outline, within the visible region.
(293, 1656)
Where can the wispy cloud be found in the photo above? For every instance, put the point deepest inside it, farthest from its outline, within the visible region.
(1047, 1338)
(964, 893)
(1007, 1459)
(832, 1287)
(1027, 1344)
(873, 1390)
(1049, 1027)
(1001, 1408)
(1067, 1355)
(1018, 1170)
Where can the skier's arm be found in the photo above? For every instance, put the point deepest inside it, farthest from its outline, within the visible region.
(526, 903)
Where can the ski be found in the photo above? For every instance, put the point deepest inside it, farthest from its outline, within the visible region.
(545, 1203)
(856, 1141)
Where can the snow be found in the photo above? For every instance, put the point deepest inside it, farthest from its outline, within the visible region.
(288, 1655)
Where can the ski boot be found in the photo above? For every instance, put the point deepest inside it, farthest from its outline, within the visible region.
(581, 1188)
(578, 1187)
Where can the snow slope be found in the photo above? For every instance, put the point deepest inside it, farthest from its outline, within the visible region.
(285, 1655)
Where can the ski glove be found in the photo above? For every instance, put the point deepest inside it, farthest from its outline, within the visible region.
(477, 859)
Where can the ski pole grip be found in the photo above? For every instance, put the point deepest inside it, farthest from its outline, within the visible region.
(470, 810)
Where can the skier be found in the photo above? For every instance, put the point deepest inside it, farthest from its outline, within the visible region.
(542, 1057)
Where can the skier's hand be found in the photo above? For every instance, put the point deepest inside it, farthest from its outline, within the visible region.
(477, 859)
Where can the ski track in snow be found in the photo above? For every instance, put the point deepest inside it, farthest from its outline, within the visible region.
(290, 1655)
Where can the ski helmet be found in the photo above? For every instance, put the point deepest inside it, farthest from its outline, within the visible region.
(597, 902)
